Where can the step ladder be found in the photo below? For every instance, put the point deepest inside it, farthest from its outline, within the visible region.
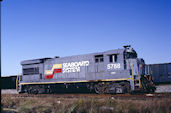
(137, 80)
(18, 79)
(137, 83)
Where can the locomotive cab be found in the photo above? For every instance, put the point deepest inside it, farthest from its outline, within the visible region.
(129, 52)
(136, 66)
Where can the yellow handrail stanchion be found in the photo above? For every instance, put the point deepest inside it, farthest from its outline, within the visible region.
(139, 77)
(19, 79)
(132, 70)
(18, 82)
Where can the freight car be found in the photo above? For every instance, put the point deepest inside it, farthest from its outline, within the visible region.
(161, 73)
(113, 71)
(8, 82)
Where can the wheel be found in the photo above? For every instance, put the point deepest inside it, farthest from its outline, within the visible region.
(122, 87)
(119, 89)
(127, 87)
(99, 88)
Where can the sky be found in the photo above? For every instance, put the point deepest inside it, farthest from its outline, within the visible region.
(32, 29)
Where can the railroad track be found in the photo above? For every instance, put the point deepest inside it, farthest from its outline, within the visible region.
(117, 96)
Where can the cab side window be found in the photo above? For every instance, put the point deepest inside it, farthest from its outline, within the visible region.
(99, 58)
(113, 58)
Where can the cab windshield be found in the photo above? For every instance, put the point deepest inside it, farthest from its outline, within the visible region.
(129, 55)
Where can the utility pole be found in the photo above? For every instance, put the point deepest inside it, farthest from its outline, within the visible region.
(0, 48)
(0, 40)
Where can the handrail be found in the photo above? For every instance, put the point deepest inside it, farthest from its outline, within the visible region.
(132, 70)
(18, 79)
(139, 77)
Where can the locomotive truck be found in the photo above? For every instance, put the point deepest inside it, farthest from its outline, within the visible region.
(113, 71)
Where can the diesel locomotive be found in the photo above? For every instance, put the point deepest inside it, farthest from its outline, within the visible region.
(113, 71)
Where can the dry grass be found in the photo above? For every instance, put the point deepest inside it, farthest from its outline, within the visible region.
(85, 105)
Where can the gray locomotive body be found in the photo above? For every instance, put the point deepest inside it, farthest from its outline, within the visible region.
(114, 71)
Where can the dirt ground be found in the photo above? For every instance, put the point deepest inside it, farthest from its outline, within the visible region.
(83, 103)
